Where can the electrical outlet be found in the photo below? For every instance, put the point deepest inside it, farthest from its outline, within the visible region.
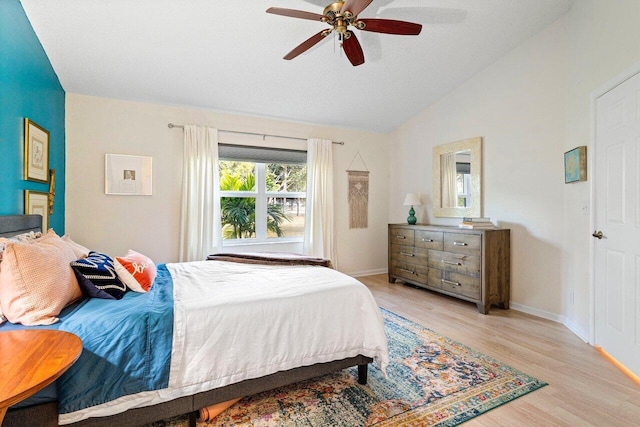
(585, 207)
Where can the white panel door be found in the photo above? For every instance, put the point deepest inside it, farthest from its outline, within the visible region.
(617, 216)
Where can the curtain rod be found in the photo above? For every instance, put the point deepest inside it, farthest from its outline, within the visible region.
(171, 126)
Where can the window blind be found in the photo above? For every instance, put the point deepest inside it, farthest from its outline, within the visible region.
(248, 153)
(463, 168)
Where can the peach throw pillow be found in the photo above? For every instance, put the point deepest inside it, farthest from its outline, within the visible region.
(36, 280)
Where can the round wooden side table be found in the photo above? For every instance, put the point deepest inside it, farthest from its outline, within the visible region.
(30, 360)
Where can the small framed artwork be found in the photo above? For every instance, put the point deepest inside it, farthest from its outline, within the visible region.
(37, 202)
(36, 152)
(128, 175)
(575, 165)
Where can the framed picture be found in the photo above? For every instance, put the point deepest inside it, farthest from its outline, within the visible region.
(128, 175)
(36, 152)
(37, 202)
(575, 165)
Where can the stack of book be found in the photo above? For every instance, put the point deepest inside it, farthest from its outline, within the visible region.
(476, 223)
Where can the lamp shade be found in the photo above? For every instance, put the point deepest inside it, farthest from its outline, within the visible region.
(411, 199)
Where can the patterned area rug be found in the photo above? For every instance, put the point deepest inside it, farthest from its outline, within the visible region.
(432, 381)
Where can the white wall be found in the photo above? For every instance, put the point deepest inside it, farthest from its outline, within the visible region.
(604, 40)
(531, 106)
(518, 106)
(150, 224)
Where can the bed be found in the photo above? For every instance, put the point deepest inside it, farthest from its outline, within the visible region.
(319, 321)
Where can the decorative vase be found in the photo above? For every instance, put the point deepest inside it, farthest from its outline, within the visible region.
(412, 216)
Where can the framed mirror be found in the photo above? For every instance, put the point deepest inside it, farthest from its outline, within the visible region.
(457, 179)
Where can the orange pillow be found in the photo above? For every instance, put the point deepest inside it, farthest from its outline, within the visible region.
(36, 280)
(136, 271)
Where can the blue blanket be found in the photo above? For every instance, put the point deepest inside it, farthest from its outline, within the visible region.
(126, 345)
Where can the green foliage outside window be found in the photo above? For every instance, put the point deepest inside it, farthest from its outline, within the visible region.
(239, 213)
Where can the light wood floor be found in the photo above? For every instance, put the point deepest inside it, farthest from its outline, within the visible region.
(584, 389)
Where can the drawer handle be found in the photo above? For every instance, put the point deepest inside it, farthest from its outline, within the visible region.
(449, 282)
(407, 271)
(460, 244)
(427, 240)
(451, 263)
(406, 254)
(399, 236)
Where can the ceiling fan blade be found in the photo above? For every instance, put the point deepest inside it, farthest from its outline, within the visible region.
(295, 13)
(391, 26)
(353, 50)
(355, 6)
(307, 44)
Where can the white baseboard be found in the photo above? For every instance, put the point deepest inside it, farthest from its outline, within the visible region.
(550, 316)
(537, 312)
(367, 272)
(576, 330)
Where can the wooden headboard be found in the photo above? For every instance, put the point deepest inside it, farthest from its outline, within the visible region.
(10, 225)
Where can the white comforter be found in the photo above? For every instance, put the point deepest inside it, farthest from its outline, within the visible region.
(239, 321)
(234, 322)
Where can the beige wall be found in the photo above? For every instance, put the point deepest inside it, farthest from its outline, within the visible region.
(150, 224)
(518, 106)
(531, 106)
(604, 41)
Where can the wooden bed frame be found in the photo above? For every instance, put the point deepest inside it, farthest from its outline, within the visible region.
(46, 414)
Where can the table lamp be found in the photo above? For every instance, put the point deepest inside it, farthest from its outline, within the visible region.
(412, 200)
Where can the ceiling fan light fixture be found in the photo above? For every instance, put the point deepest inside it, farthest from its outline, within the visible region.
(340, 17)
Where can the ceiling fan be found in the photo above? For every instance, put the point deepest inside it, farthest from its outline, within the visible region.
(341, 15)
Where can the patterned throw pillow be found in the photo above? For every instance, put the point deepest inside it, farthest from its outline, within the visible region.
(97, 276)
(136, 270)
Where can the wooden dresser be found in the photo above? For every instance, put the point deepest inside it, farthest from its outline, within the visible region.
(474, 265)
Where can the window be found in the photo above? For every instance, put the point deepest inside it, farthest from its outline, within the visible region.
(262, 194)
(463, 174)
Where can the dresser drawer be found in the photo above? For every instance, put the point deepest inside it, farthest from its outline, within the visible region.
(458, 263)
(455, 283)
(469, 244)
(429, 239)
(409, 254)
(401, 236)
(405, 270)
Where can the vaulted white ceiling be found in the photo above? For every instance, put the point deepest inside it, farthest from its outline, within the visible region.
(227, 55)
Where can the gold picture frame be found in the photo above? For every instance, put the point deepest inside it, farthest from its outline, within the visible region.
(36, 152)
(37, 202)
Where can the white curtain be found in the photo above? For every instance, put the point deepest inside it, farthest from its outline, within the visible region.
(318, 228)
(448, 165)
(200, 228)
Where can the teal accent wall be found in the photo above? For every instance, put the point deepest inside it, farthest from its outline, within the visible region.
(29, 87)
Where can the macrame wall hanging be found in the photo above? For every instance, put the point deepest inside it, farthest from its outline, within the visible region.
(358, 195)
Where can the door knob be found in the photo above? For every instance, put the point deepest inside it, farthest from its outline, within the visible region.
(597, 234)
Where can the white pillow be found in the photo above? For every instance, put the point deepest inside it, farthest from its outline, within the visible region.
(77, 248)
